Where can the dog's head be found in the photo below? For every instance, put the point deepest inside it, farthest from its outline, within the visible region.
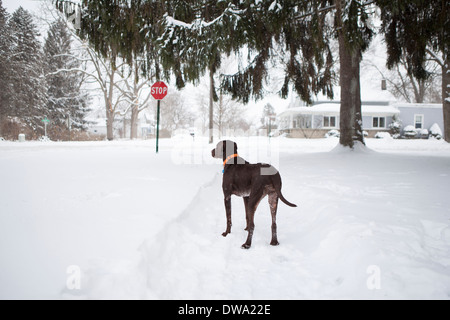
(224, 149)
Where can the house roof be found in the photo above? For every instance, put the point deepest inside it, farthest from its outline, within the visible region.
(419, 105)
(333, 109)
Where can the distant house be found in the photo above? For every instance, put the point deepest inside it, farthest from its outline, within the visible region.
(97, 125)
(146, 124)
(316, 120)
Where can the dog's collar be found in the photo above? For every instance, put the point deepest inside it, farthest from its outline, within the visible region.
(228, 159)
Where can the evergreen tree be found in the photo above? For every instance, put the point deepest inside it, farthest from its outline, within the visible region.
(5, 70)
(302, 28)
(28, 88)
(298, 28)
(419, 30)
(65, 96)
(195, 38)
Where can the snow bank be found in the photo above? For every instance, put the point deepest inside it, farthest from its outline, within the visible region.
(357, 148)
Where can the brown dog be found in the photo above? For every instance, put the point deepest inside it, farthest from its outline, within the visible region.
(252, 182)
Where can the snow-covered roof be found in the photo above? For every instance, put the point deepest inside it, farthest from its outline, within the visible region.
(418, 105)
(369, 110)
(334, 109)
(370, 90)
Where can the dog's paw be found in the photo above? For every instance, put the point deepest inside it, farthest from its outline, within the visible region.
(274, 243)
(246, 246)
(225, 234)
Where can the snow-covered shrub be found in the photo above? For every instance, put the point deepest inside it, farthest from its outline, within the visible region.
(396, 127)
(436, 132)
(424, 134)
(383, 135)
(44, 139)
(333, 134)
(410, 132)
(1, 139)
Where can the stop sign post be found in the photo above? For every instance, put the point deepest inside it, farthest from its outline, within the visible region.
(159, 91)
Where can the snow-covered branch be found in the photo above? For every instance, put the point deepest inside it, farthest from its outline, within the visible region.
(436, 58)
(200, 23)
(74, 70)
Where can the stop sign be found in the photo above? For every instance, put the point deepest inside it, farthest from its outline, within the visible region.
(159, 90)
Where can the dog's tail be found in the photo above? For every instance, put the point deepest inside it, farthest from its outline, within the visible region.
(280, 195)
(276, 180)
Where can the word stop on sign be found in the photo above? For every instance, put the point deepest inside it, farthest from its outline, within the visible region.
(159, 90)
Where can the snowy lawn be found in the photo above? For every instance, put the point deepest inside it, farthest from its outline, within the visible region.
(370, 223)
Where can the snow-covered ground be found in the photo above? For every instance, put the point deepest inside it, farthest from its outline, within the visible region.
(370, 223)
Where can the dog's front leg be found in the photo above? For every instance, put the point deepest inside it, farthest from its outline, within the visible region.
(247, 211)
(228, 211)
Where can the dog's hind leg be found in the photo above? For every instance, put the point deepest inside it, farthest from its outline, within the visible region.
(254, 200)
(273, 202)
(228, 212)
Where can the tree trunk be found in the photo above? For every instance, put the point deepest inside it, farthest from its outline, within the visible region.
(135, 109)
(350, 60)
(134, 122)
(109, 123)
(211, 107)
(446, 97)
(110, 114)
(1, 123)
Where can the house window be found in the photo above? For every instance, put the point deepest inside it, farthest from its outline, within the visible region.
(379, 122)
(304, 122)
(329, 122)
(418, 120)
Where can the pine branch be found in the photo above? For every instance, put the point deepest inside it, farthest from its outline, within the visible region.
(328, 8)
